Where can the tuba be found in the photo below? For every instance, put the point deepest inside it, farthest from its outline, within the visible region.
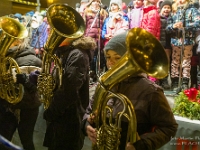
(11, 30)
(66, 25)
(144, 54)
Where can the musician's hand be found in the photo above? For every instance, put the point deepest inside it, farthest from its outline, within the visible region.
(92, 134)
(91, 119)
(21, 78)
(130, 146)
(33, 77)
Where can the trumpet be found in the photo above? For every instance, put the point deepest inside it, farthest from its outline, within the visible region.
(66, 25)
(10, 31)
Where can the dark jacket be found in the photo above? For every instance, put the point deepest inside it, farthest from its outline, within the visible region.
(26, 57)
(155, 120)
(69, 102)
(165, 38)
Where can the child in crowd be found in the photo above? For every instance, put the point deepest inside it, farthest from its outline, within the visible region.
(94, 17)
(165, 38)
(185, 22)
(135, 15)
(83, 6)
(116, 23)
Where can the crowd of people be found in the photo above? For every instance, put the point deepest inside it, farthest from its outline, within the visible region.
(175, 25)
(156, 16)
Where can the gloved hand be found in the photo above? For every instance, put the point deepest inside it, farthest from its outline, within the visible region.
(21, 78)
(33, 77)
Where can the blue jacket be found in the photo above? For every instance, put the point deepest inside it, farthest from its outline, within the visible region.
(190, 17)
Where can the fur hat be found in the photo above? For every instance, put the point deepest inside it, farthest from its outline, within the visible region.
(118, 2)
(117, 44)
(165, 3)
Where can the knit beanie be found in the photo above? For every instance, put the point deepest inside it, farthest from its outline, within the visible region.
(117, 44)
(84, 1)
(118, 2)
(165, 3)
(89, 3)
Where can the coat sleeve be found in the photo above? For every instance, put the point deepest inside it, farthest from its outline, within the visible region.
(162, 118)
(104, 28)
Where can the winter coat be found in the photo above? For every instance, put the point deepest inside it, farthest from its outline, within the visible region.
(189, 16)
(25, 58)
(113, 26)
(149, 103)
(69, 101)
(151, 21)
(94, 29)
(165, 37)
(135, 17)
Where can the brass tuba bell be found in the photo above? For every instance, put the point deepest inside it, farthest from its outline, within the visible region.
(10, 30)
(66, 25)
(144, 54)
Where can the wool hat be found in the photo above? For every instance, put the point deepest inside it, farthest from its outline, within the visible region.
(165, 3)
(117, 44)
(118, 2)
(84, 1)
(89, 3)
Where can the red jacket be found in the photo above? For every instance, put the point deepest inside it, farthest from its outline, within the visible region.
(151, 21)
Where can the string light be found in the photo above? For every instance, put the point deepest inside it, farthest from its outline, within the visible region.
(25, 2)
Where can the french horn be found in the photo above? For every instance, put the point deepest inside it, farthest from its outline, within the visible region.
(11, 30)
(144, 54)
(66, 25)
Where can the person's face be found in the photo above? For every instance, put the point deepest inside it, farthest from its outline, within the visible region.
(138, 3)
(95, 4)
(181, 2)
(114, 7)
(111, 58)
(166, 10)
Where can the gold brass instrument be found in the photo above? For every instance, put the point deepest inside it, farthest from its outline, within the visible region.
(66, 25)
(144, 54)
(11, 30)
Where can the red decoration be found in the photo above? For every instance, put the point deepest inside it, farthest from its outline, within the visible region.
(191, 94)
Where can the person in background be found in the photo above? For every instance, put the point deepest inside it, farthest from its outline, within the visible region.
(186, 19)
(77, 6)
(130, 6)
(151, 22)
(124, 7)
(69, 102)
(36, 21)
(83, 4)
(154, 130)
(136, 13)
(165, 38)
(116, 23)
(94, 17)
(23, 115)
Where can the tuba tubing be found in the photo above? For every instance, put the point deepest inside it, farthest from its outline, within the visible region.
(145, 54)
(11, 30)
(66, 25)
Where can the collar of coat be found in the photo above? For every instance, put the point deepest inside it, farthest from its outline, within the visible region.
(149, 8)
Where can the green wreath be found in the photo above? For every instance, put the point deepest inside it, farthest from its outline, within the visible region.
(187, 104)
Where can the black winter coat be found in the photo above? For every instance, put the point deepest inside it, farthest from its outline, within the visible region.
(69, 103)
